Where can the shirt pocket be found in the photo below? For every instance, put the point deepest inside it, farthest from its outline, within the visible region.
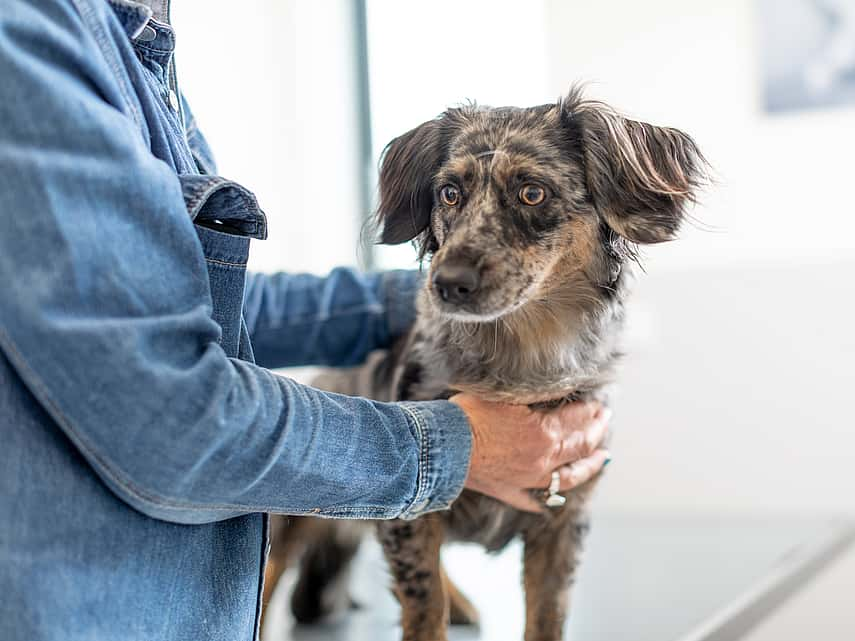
(226, 216)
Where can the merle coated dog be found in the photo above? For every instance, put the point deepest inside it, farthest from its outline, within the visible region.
(531, 219)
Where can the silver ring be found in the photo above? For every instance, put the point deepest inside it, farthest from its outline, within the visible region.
(553, 498)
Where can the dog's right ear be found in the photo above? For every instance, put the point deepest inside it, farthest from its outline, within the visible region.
(407, 169)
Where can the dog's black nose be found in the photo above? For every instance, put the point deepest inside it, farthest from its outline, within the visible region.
(455, 281)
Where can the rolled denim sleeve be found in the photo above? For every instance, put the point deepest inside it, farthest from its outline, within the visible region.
(444, 454)
(106, 318)
(301, 319)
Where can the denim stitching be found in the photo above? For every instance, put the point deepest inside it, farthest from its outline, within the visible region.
(86, 12)
(424, 457)
(225, 263)
(129, 10)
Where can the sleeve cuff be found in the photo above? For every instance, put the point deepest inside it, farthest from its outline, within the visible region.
(445, 444)
(398, 291)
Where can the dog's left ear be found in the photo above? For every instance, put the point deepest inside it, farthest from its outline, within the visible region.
(641, 177)
(407, 169)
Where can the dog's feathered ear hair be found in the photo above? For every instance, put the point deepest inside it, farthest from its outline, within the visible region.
(641, 177)
(407, 168)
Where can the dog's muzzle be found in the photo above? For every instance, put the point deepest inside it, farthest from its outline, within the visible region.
(456, 281)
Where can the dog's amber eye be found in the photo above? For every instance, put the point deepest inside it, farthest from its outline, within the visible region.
(449, 195)
(532, 195)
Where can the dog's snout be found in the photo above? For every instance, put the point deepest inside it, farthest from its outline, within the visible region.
(456, 281)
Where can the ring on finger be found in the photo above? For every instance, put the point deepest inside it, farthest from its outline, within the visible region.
(553, 498)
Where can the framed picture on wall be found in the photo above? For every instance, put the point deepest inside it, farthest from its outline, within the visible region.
(807, 53)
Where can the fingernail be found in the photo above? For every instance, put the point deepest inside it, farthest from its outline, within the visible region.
(607, 413)
(607, 461)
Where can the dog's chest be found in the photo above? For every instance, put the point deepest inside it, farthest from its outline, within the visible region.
(421, 372)
(476, 518)
(428, 366)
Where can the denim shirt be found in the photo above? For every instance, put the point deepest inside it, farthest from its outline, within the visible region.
(141, 444)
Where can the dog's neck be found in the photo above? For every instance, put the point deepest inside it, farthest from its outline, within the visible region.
(551, 347)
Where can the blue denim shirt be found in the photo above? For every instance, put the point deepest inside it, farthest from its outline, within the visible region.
(140, 445)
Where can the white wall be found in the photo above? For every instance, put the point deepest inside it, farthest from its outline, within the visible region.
(272, 85)
(735, 395)
(783, 180)
(426, 56)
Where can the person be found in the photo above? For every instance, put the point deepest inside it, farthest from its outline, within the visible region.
(144, 438)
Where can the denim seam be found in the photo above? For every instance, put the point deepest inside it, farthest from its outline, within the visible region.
(86, 13)
(208, 188)
(150, 49)
(223, 262)
(130, 9)
(422, 486)
(194, 191)
(178, 129)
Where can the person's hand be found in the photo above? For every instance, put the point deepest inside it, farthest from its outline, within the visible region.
(515, 449)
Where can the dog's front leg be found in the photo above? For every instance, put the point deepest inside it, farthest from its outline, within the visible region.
(412, 550)
(551, 555)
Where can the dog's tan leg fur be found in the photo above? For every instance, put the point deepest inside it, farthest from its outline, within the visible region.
(412, 549)
(550, 559)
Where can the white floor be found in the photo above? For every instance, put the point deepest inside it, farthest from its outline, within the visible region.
(643, 579)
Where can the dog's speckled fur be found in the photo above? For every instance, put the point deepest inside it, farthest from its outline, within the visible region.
(544, 322)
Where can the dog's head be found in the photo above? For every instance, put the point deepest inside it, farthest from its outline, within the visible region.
(511, 204)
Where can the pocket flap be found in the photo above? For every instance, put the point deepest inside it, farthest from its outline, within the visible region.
(218, 202)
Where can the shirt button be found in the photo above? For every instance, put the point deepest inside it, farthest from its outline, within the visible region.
(173, 100)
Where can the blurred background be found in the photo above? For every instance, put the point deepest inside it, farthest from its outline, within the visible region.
(736, 392)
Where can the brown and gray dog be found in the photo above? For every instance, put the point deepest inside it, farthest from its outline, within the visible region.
(531, 220)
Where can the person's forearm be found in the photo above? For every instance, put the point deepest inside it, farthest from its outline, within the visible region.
(301, 319)
(225, 437)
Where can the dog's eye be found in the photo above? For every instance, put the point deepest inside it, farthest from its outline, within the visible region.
(532, 195)
(449, 195)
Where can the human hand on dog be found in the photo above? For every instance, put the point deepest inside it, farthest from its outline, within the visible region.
(515, 449)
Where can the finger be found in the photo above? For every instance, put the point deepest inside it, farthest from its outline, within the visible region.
(596, 433)
(585, 469)
(523, 500)
(579, 412)
(581, 443)
(577, 473)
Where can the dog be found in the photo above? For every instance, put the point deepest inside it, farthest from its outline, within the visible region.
(531, 219)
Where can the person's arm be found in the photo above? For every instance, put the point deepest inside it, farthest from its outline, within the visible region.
(106, 317)
(335, 320)
(302, 319)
